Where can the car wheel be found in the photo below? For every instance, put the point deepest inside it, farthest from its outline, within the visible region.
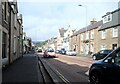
(94, 57)
(95, 78)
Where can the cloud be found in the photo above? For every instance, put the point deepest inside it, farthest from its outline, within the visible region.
(43, 20)
(51, 1)
(42, 33)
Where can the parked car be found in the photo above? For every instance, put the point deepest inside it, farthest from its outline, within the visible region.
(106, 70)
(101, 54)
(58, 51)
(49, 53)
(63, 51)
(71, 53)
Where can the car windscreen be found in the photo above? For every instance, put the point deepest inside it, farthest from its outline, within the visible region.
(50, 50)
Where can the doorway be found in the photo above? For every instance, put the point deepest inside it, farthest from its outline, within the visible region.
(87, 49)
(114, 46)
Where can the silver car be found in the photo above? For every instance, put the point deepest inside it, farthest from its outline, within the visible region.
(71, 53)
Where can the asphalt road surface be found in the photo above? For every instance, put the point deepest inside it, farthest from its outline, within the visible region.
(72, 68)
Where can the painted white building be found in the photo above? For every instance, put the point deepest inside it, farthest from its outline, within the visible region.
(63, 38)
(52, 46)
(60, 38)
(69, 32)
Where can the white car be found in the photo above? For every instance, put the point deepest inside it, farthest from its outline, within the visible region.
(49, 53)
(71, 53)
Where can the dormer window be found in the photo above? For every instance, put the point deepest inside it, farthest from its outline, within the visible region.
(107, 18)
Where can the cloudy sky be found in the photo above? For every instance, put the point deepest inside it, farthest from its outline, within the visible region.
(43, 18)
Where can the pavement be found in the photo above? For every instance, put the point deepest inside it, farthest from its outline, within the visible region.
(24, 70)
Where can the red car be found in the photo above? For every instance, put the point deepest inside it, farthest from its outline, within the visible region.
(49, 53)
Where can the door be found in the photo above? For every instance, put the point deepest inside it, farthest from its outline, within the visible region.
(114, 46)
(87, 48)
(4, 49)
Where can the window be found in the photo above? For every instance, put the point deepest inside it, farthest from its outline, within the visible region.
(101, 52)
(107, 51)
(117, 58)
(115, 32)
(15, 44)
(4, 45)
(87, 35)
(92, 35)
(5, 13)
(107, 18)
(15, 20)
(103, 34)
(114, 57)
(92, 48)
(68, 35)
(4, 10)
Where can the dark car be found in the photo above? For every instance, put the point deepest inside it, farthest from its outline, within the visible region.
(101, 54)
(58, 51)
(106, 70)
(63, 51)
(39, 50)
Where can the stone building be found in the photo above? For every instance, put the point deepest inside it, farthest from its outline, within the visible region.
(86, 40)
(5, 31)
(27, 43)
(10, 31)
(110, 30)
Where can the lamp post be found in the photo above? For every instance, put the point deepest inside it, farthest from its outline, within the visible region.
(85, 15)
(86, 27)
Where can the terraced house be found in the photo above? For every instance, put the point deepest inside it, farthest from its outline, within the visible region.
(27, 43)
(10, 32)
(51, 43)
(69, 32)
(5, 31)
(110, 30)
(63, 38)
(60, 38)
(104, 34)
(86, 40)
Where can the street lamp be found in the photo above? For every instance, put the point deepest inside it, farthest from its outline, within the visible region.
(86, 17)
(86, 28)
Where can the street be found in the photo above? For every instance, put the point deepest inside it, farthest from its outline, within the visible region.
(71, 68)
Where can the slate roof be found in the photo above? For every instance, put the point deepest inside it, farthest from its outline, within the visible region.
(62, 31)
(89, 27)
(105, 26)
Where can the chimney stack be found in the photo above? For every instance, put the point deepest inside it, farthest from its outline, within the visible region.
(93, 21)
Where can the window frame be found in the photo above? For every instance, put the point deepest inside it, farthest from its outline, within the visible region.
(115, 32)
(103, 34)
(92, 35)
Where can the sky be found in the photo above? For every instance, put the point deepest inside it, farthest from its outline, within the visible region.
(42, 19)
